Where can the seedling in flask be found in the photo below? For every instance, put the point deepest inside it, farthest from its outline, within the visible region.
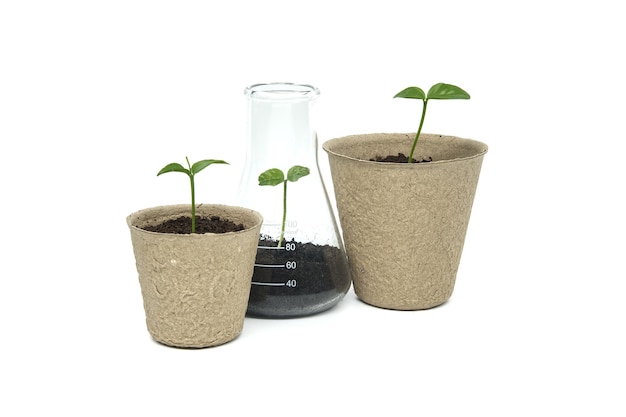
(275, 176)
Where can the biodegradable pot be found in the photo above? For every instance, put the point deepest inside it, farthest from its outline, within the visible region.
(195, 287)
(404, 225)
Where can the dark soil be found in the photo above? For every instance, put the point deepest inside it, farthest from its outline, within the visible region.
(317, 278)
(182, 225)
(400, 158)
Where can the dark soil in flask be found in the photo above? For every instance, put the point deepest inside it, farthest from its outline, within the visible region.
(296, 280)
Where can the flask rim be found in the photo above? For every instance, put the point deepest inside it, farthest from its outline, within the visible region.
(282, 91)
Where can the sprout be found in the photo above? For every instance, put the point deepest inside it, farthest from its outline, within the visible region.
(191, 172)
(438, 91)
(275, 176)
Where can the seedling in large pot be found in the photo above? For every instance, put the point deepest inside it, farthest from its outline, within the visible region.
(191, 172)
(275, 176)
(438, 91)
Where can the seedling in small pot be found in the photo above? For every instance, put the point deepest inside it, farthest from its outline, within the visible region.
(275, 176)
(438, 91)
(191, 172)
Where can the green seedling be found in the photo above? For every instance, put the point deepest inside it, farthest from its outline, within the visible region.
(191, 172)
(438, 91)
(275, 176)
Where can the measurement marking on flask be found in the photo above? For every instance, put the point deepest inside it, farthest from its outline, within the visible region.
(288, 265)
(289, 247)
(292, 283)
(288, 223)
(269, 266)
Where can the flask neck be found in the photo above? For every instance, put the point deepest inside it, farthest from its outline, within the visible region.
(280, 132)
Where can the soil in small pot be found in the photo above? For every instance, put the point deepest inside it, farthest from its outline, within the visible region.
(400, 158)
(302, 279)
(182, 225)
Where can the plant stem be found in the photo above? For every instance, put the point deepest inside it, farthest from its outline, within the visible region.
(282, 230)
(193, 198)
(419, 130)
(193, 205)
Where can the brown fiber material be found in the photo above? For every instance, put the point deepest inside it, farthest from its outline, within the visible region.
(195, 287)
(404, 225)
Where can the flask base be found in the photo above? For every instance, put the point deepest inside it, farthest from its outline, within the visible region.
(299, 306)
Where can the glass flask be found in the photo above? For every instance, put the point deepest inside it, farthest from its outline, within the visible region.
(301, 266)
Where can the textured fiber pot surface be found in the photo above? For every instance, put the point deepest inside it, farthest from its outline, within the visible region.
(195, 287)
(404, 225)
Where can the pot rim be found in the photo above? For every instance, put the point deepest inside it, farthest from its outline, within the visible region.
(377, 138)
(174, 208)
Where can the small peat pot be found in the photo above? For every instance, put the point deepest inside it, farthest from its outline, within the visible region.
(195, 286)
(404, 225)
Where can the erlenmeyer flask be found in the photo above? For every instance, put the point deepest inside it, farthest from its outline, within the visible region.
(301, 266)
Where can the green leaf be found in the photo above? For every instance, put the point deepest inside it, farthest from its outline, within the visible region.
(174, 167)
(443, 91)
(411, 92)
(296, 172)
(273, 176)
(200, 165)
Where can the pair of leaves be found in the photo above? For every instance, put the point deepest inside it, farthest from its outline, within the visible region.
(193, 169)
(275, 176)
(438, 91)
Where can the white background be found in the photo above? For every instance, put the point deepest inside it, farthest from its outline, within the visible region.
(96, 96)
